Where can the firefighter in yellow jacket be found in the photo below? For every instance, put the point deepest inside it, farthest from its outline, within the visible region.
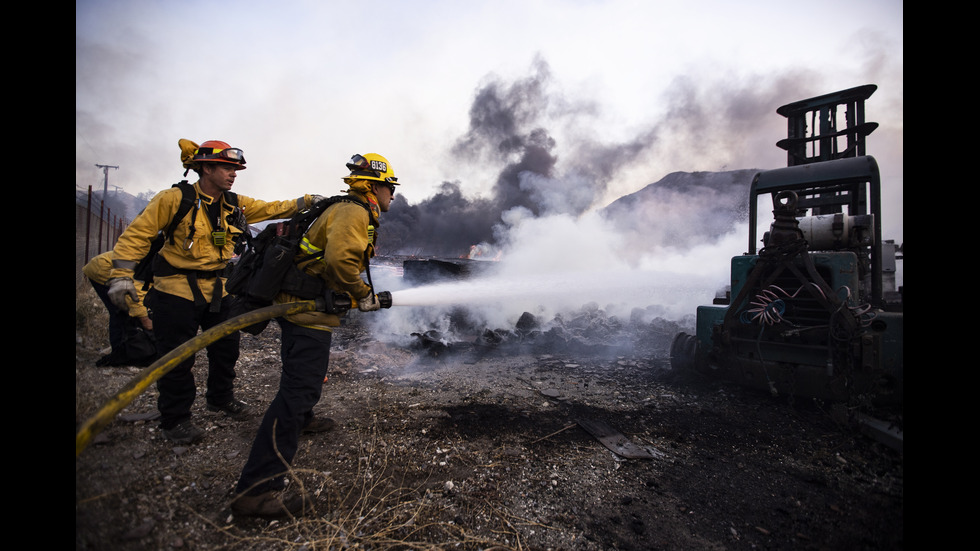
(188, 284)
(346, 232)
(130, 331)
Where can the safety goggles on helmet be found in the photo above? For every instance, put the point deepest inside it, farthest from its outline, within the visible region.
(361, 166)
(231, 154)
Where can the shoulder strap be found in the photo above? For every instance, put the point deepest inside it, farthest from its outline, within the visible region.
(186, 202)
(144, 268)
(301, 222)
(349, 199)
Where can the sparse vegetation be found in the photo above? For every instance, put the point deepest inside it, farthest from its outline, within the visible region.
(474, 449)
(91, 318)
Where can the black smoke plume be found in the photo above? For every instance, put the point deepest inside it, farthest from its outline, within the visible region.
(507, 130)
(537, 171)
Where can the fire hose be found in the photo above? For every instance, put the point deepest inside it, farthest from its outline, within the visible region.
(168, 361)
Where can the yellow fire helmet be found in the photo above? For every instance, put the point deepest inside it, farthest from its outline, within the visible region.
(371, 167)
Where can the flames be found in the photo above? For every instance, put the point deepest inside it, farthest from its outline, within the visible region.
(484, 251)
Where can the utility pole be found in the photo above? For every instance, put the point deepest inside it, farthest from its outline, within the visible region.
(105, 173)
(105, 193)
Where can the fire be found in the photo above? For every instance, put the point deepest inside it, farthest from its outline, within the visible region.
(484, 251)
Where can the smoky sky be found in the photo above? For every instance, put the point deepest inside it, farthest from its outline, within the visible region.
(507, 129)
(545, 159)
(446, 224)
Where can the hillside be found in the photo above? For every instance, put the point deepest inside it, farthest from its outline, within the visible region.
(685, 208)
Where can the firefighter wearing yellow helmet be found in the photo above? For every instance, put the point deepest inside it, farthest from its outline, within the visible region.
(188, 274)
(346, 235)
(377, 172)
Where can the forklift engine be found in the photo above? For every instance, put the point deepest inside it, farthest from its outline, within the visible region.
(806, 315)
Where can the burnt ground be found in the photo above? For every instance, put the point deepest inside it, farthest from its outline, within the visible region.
(481, 445)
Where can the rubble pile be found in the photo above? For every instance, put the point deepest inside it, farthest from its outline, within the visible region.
(589, 331)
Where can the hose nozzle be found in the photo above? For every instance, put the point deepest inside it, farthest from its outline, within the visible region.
(338, 303)
(384, 297)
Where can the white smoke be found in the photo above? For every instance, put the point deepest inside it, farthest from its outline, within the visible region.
(554, 264)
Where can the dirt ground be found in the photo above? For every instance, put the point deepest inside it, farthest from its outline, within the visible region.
(481, 446)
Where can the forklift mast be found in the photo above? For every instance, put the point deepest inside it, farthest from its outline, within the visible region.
(824, 114)
(833, 177)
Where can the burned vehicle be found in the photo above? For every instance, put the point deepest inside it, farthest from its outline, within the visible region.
(814, 312)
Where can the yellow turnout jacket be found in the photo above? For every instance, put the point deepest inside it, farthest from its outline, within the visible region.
(199, 253)
(345, 232)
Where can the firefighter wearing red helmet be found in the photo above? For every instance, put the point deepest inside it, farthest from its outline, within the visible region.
(346, 234)
(188, 275)
(214, 151)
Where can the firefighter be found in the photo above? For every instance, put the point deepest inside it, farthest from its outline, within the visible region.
(130, 331)
(188, 284)
(347, 234)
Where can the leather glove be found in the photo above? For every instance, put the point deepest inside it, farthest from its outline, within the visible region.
(369, 303)
(317, 199)
(119, 289)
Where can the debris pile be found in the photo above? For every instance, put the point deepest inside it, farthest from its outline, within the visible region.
(589, 331)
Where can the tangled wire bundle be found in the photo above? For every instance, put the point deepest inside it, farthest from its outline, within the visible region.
(768, 307)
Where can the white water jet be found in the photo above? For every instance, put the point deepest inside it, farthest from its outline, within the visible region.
(677, 294)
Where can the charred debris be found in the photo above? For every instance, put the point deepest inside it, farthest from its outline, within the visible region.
(588, 331)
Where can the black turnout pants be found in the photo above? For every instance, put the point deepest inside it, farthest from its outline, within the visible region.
(175, 321)
(117, 318)
(305, 355)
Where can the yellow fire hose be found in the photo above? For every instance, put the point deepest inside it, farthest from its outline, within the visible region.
(159, 368)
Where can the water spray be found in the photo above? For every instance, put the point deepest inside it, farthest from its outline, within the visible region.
(572, 289)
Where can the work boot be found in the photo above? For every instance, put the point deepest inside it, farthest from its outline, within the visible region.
(235, 408)
(318, 424)
(113, 359)
(183, 433)
(271, 504)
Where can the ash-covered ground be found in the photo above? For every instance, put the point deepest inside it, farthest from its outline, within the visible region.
(489, 442)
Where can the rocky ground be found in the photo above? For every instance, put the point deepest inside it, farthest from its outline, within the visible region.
(496, 443)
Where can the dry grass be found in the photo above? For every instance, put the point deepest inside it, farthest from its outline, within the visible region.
(382, 504)
(91, 337)
(381, 510)
(91, 318)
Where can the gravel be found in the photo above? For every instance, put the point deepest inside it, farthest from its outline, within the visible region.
(481, 444)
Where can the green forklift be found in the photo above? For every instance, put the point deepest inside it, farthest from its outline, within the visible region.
(815, 312)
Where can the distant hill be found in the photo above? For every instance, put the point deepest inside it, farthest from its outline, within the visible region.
(684, 209)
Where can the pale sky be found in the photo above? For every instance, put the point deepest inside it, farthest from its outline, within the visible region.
(300, 86)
